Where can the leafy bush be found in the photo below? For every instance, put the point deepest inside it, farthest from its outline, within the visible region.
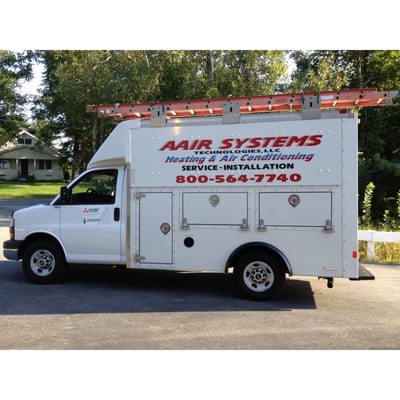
(386, 253)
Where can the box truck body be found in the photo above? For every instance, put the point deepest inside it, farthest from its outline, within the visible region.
(269, 196)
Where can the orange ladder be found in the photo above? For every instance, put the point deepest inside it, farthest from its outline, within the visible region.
(350, 98)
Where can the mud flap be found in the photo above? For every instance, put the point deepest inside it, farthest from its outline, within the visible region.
(363, 275)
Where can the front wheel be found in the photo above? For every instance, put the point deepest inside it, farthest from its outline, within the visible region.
(259, 275)
(44, 262)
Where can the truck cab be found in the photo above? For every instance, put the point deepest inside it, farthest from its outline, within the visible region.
(85, 223)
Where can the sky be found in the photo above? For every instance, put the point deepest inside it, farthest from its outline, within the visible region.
(32, 86)
(178, 24)
(303, 25)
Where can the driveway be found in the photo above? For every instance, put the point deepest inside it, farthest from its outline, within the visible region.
(98, 308)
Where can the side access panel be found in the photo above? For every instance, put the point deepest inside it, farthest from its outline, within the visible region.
(306, 226)
(296, 209)
(154, 230)
(215, 208)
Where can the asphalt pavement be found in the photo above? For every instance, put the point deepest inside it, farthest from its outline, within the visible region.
(99, 308)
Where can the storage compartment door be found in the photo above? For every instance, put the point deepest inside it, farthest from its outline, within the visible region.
(296, 209)
(215, 208)
(155, 228)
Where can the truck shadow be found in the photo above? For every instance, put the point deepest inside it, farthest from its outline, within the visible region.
(104, 290)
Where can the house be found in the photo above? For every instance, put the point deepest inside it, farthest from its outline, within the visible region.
(27, 157)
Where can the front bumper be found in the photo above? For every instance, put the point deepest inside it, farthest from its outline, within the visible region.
(11, 249)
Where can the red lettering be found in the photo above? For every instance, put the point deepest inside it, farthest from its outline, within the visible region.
(299, 141)
(241, 142)
(183, 145)
(248, 143)
(168, 146)
(266, 141)
(254, 143)
(280, 141)
(226, 144)
(194, 144)
(204, 145)
(187, 145)
(314, 140)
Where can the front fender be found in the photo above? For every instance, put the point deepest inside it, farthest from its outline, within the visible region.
(39, 236)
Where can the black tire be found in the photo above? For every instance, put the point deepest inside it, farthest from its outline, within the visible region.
(44, 262)
(259, 275)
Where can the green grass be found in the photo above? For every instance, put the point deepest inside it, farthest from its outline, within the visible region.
(12, 189)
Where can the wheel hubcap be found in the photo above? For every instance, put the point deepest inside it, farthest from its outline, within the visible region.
(258, 276)
(42, 263)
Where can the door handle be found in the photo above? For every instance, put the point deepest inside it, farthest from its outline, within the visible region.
(116, 214)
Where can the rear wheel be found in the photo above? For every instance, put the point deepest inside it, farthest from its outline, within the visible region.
(44, 262)
(259, 275)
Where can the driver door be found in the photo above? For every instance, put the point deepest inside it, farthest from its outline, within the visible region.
(91, 224)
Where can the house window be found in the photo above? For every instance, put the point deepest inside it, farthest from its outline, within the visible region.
(44, 164)
(24, 141)
(4, 164)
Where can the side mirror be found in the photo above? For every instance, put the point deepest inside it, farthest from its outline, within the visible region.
(65, 195)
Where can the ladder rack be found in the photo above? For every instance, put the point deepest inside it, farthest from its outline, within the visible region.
(351, 98)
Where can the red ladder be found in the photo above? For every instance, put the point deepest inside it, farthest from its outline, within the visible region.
(255, 104)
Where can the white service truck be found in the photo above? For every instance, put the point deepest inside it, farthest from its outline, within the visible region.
(259, 194)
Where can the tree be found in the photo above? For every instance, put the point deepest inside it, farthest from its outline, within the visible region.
(379, 133)
(14, 69)
(74, 79)
(223, 73)
(320, 70)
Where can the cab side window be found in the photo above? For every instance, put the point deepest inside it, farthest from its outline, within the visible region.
(97, 187)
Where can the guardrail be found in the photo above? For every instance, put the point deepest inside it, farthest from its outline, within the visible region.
(371, 237)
